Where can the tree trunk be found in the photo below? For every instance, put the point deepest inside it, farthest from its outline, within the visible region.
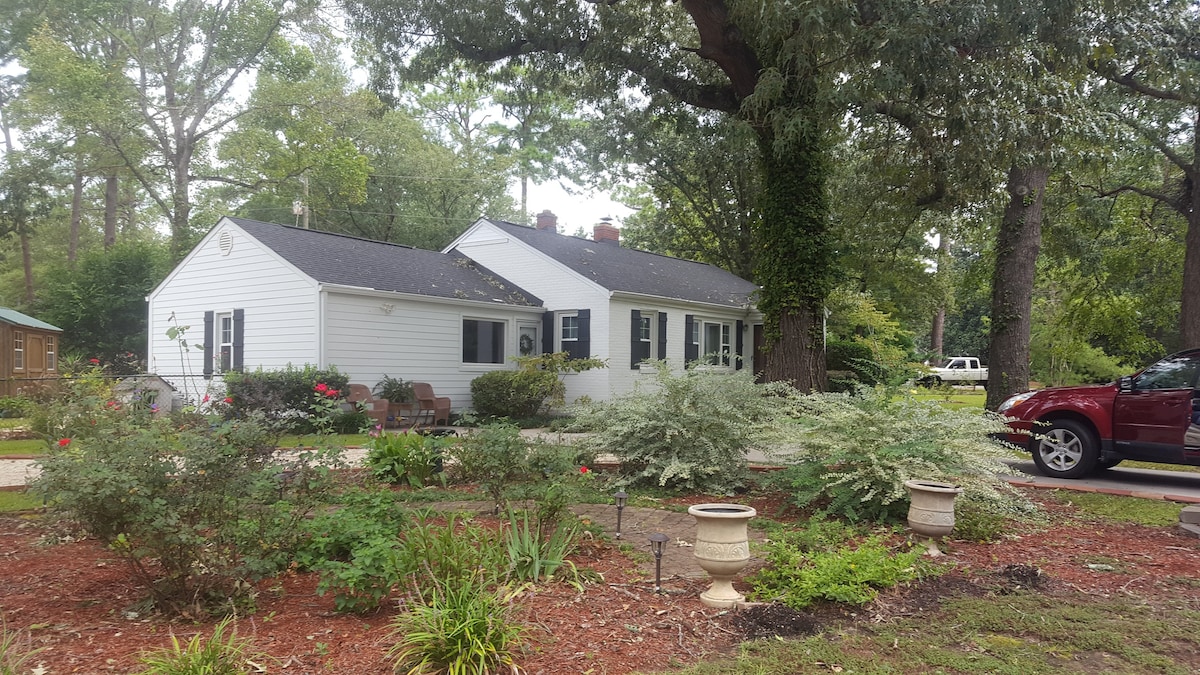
(27, 266)
(795, 259)
(76, 211)
(112, 196)
(938, 331)
(1189, 310)
(1017, 247)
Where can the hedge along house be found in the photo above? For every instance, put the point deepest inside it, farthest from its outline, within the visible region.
(32, 352)
(619, 304)
(257, 295)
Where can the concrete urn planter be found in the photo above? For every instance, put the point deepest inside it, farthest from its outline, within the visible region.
(931, 509)
(722, 549)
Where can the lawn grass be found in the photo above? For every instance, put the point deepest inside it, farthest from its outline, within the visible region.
(1022, 635)
(311, 440)
(953, 399)
(24, 447)
(1120, 509)
(13, 500)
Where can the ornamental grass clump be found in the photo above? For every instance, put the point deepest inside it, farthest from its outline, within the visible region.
(851, 454)
(687, 431)
(223, 653)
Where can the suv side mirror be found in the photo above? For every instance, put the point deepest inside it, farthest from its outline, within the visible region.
(1125, 383)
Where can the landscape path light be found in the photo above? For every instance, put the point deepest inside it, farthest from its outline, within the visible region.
(621, 497)
(657, 541)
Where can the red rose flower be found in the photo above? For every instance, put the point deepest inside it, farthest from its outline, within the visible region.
(583, 469)
(321, 387)
(64, 442)
(229, 399)
(94, 360)
(332, 393)
(205, 399)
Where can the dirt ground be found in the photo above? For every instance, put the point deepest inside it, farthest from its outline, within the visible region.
(75, 601)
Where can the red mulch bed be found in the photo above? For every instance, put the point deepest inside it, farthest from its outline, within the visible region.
(75, 600)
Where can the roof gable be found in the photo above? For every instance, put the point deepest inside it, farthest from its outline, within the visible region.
(627, 270)
(349, 261)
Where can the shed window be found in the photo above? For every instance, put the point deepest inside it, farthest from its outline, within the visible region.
(18, 350)
(51, 354)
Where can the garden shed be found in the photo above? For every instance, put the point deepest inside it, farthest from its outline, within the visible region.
(32, 352)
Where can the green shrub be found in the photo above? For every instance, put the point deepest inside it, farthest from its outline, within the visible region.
(207, 509)
(855, 358)
(333, 534)
(465, 627)
(281, 394)
(450, 553)
(798, 577)
(221, 654)
(493, 456)
(511, 393)
(536, 550)
(408, 458)
(852, 454)
(16, 406)
(688, 431)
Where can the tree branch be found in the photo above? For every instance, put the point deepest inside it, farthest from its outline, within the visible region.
(1152, 194)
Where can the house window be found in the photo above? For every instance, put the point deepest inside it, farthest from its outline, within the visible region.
(18, 350)
(695, 336)
(483, 341)
(717, 343)
(224, 342)
(645, 329)
(570, 329)
(51, 355)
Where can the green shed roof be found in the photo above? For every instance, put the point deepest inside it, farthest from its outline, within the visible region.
(14, 317)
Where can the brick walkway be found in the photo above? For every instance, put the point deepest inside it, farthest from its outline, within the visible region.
(637, 524)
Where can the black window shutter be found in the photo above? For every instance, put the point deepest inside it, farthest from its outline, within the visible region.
(239, 338)
(635, 338)
(548, 333)
(738, 340)
(582, 348)
(210, 336)
(691, 350)
(662, 335)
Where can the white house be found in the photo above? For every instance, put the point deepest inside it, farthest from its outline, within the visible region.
(619, 304)
(256, 295)
(260, 295)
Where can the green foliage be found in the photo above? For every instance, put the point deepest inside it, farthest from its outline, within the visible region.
(866, 341)
(101, 303)
(16, 406)
(688, 431)
(203, 503)
(395, 390)
(15, 651)
(798, 576)
(493, 456)
(410, 459)
(364, 514)
(223, 653)
(852, 454)
(512, 393)
(537, 550)
(281, 394)
(464, 628)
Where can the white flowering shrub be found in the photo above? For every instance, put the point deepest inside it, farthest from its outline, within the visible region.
(690, 431)
(852, 453)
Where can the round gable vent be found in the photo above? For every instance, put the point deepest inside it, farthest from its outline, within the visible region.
(225, 242)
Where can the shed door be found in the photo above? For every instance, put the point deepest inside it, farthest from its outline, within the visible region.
(35, 354)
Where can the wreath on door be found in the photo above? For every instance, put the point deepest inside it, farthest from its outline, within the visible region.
(526, 344)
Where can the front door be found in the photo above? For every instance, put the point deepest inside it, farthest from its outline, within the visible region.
(528, 340)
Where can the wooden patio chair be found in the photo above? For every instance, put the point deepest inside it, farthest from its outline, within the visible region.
(438, 407)
(376, 408)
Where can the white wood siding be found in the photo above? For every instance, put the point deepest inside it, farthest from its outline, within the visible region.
(417, 340)
(558, 288)
(280, 304)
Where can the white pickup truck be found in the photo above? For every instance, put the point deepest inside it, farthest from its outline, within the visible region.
(958, 370)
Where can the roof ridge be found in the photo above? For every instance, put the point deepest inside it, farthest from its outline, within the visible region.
(239, 220)
(617, 246)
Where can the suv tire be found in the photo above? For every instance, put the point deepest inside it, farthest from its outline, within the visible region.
(1068, 449)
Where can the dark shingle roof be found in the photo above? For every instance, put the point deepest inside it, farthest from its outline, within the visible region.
(624, 269)
(340, 259)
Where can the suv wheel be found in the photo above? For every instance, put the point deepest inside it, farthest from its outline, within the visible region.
(1067, 449)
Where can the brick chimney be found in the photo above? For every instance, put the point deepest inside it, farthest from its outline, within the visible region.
(606, 233)
(547, 221)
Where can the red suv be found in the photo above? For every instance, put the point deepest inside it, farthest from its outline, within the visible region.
(1153, 416)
